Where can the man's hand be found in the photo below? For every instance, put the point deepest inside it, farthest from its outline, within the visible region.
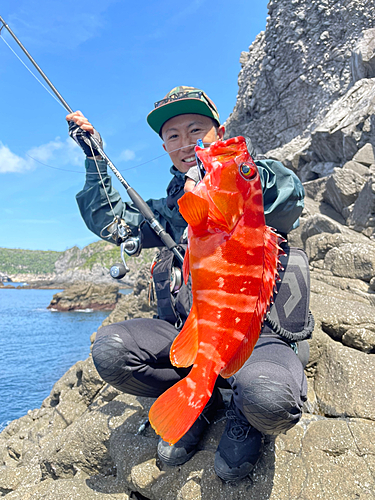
(191, 179)
(79, 130)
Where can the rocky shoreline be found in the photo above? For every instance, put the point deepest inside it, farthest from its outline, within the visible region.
(90, 264)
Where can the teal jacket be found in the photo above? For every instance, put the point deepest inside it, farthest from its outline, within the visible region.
(283, 196)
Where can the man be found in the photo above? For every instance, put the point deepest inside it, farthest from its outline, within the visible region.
(133, 356)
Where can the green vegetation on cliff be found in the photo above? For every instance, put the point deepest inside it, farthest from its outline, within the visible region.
(15, 260)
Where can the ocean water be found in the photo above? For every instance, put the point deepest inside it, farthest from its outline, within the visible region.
(37, 347)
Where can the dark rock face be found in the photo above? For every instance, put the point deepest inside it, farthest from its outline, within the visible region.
(310, 55)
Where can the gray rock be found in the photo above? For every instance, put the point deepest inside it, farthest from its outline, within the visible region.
(362, 216)
(362, 61)
(343, 188)
(315, 188)
(351, 289)
(337, 312)
(351, 393)
(68, 489)
(357, 167)
(132, 306)
(100, 453)
(366, 154)
(317, 224)
(347, 126)
(83, 296)
(318, 245)
(360, 338)
(142, 279)
(323, 168)
(352, 260)
(4, 278)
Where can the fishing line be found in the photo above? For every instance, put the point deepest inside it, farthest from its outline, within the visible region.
(122, 170)
(101, 180)
(29, 70)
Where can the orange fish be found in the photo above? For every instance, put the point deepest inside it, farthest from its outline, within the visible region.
(233, 258)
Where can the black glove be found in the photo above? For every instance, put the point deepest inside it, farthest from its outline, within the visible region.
(82, 138)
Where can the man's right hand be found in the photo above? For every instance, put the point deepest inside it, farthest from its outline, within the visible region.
(79, 130)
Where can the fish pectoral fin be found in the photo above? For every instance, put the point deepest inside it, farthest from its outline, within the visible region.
(185, 346)
(194, 210)
(226, 209)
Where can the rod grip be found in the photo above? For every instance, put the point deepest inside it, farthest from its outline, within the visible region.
(140, 204)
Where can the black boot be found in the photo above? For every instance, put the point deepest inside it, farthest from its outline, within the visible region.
(240, 447)
(184, 449)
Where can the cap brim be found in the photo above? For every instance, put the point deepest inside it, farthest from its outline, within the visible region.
(159, 116)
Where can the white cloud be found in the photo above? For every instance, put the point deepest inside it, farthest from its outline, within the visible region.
(10, 162)
(46, 151)
(55, 153)
(126, 155)
(58, 153)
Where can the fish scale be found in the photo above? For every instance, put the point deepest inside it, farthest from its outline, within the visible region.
(233, 259)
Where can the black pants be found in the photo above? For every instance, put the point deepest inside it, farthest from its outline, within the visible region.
(270, 388)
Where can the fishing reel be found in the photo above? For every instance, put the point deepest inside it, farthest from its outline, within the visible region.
(121, 233)
(176, 279)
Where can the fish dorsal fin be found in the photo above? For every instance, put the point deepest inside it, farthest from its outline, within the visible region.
(186, 266)
(270, 263)
(225, 209)
(185, 346)
(194, 210)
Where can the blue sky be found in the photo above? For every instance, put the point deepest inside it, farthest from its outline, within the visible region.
(111, 59)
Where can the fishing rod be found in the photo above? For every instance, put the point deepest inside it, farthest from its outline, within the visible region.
(138, 201)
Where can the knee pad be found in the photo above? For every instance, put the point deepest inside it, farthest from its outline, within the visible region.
(108, 356)
(269, 406)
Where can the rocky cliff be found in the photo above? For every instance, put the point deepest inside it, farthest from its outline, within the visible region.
(306, 93)
(90, 264)
(312, 53)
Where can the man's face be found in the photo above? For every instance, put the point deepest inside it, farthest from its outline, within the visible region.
(180, 135)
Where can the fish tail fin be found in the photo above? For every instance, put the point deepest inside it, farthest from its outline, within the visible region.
(176, 410)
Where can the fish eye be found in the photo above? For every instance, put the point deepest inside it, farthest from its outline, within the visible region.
(247, 171)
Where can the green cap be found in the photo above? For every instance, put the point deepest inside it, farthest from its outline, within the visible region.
(179, 101)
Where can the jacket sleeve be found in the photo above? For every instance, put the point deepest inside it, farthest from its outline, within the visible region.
(283, 195)
(99, 205)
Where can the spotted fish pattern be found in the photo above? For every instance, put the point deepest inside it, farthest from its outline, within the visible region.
(233, 258)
